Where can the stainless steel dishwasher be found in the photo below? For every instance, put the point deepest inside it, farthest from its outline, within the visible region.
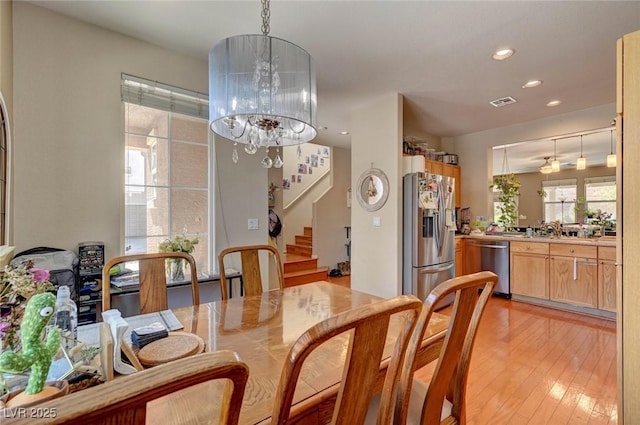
(493, 256)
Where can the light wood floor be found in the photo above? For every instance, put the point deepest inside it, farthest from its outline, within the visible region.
(534, 365)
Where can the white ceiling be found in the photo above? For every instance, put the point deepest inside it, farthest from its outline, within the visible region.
(436, 53)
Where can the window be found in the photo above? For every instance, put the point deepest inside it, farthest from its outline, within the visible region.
(167, 164)
(600, 194)
(560, 200)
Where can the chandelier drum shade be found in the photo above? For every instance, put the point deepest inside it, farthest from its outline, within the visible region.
(262, 91)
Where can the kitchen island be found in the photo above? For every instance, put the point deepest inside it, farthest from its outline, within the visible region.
(569, 273)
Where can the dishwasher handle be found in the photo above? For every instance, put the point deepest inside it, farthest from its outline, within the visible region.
(489, 246)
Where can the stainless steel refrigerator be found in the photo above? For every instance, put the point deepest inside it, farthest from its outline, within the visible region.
(428, 233)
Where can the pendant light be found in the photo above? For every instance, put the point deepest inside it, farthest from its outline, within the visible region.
(262, 92)
(611, 158)
(582, 161)
(555, 164)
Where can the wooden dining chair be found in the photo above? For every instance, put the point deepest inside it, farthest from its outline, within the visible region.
(250, 264)
(442, 401)
(124, 401)
(152, 279)
(366, 328)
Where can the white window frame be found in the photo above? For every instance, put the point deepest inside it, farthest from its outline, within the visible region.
(151, 94)
(568, 203)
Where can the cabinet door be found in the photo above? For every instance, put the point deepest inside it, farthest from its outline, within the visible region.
(434, 167)
(456, 175)
(459, 258)
(607, 285)
(573, 280)
(530, 275)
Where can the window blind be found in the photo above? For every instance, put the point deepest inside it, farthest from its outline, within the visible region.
(602, 181)
(164, 97)
(559, 183)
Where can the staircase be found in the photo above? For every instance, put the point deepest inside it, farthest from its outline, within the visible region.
(299, 265)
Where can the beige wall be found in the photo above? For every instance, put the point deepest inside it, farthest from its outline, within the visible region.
(331, 213)
(475, 156)
(376, 139)
(6, 52)
(68, 137)
(6, 97)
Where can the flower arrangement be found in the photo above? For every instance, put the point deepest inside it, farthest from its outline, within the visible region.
(180, 243)
(17, 285)
(603, 218)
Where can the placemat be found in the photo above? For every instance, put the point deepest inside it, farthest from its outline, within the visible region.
(176, 346)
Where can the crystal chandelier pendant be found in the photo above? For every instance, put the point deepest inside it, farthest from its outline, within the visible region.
(266, 161)
(299, 152)
(278, 161)
(251, 148)
(234, 155)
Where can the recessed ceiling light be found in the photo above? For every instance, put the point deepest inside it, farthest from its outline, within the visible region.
(503, 54)
(554, 103)
(344, 133)
(531, 83)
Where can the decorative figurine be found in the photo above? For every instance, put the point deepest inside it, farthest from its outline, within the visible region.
(36, 354)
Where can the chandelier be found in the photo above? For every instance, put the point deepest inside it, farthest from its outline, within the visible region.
(546, 168)
(262, 92)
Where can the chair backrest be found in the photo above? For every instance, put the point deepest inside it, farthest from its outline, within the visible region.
(123, 401)
(368, 325)
(152, 278)
(450, 376)
(250, 264)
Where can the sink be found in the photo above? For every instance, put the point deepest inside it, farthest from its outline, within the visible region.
(505, 234)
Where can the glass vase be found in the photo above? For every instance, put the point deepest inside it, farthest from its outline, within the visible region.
(175, 270)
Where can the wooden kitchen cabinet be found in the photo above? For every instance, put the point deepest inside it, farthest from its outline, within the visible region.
(529, 264)
(607, 278)
(433, 167)
(459, 257)
(573, 276)
(457, 176)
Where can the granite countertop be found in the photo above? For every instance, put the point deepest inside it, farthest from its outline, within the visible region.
(603, 241)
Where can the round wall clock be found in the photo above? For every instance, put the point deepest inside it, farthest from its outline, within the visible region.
(372, 189)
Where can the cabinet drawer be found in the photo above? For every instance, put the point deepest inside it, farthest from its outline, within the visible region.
(606, 253)
(530, 247)
(567, 250)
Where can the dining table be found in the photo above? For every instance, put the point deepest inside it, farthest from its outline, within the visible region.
(261, 329)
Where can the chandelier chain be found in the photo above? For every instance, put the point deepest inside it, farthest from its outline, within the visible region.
(266, 15)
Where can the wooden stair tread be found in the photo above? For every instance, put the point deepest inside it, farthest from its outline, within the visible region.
(299, 259)
(305, 272)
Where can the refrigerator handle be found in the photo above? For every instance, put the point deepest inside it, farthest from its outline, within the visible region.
(438, 270)
(441, 224)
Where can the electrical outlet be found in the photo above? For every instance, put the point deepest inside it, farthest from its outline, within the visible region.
(252, 224)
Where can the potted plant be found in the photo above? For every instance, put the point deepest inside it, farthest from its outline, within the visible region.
(509, 187)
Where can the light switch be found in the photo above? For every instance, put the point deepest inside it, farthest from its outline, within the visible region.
(376, 221)
(252, 224)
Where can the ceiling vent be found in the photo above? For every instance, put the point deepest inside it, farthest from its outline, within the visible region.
(503, 101)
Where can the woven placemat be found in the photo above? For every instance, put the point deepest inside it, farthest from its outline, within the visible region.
(176, 346)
